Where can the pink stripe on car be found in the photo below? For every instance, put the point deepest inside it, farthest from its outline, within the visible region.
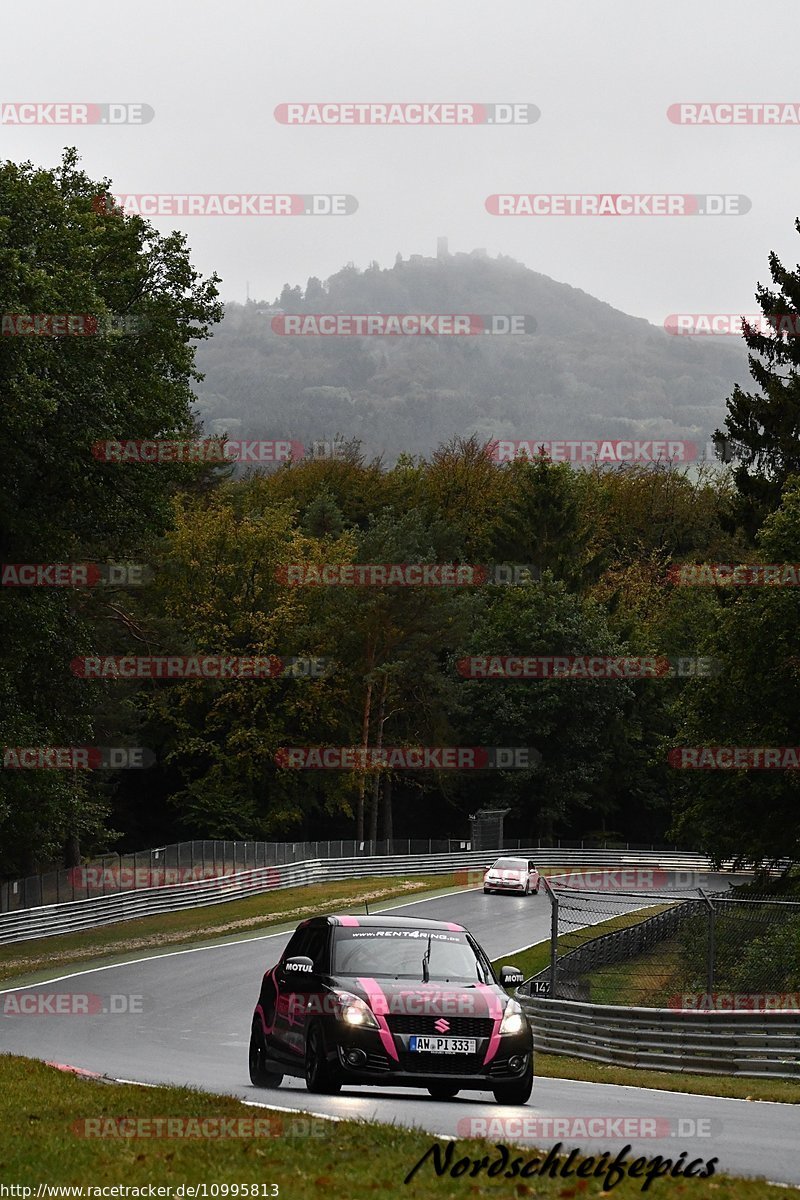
(380, 1007)
(496, 1013)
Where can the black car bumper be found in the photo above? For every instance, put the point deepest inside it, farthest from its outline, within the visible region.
(363, 1058)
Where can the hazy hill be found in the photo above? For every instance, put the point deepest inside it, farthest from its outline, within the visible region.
(588, 370)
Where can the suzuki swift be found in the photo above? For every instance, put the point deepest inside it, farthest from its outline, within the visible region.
(391, 1001)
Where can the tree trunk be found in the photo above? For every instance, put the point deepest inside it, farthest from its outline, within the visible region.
(376, 781)
(72, 851)
(72, 842)
(388, 823)
(362, 778)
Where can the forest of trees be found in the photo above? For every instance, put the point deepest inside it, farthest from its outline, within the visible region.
(602, 542)
(587, 371)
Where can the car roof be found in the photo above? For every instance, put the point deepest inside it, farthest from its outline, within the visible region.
(381, 922)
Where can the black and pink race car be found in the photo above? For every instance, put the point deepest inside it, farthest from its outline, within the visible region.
(391, 1001)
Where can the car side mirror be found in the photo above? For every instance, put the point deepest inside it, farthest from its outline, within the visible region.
(511, 977)
(299, 965)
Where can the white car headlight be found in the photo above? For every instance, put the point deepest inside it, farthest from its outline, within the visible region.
(513, 1018)
(353, 1010)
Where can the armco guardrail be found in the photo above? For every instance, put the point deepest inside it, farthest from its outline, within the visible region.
(764, 1044)
(75, 915)
(183, 862)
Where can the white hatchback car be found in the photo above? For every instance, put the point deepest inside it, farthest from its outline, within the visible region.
(512, 875)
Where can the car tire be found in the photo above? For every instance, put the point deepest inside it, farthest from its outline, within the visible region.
(528, 888)
(260, 1074)
(517, 1091)
(443, 1091)
(536, 890)
(487, 891)
(321, 1076)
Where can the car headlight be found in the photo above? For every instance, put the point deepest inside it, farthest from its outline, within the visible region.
(353, 1010)
(513, 1018)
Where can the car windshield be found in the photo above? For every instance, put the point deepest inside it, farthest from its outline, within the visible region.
(510, 864)
(399, 953)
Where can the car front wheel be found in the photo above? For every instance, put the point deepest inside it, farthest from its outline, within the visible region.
(321, 1076)
(260, 1074)
(518, 1091)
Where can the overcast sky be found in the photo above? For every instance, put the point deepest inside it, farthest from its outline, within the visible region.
(602, 73)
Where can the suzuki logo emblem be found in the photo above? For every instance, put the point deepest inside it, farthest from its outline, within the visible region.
(441, 1026)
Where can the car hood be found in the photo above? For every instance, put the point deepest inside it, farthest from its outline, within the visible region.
(404, 996)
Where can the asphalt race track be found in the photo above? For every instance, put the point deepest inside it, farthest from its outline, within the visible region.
(193, 1027)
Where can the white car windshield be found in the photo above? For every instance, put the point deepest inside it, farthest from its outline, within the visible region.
(510, 864)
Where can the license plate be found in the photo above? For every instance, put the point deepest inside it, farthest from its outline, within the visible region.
(442, 1045)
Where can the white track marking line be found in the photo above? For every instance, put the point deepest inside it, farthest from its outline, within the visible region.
(282, 1108)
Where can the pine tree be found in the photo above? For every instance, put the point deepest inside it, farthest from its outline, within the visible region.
(763, 429)
(323, 517)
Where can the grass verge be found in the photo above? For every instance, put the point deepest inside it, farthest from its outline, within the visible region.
(214, 922)
(43, 1111)
(536, 958)
(650, 979)
(737, 1087)
(558, 1066)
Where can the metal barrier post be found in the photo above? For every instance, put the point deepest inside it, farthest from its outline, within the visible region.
(553, 935)
(711, 948)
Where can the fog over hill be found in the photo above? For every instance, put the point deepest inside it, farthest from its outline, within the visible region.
(587, 371)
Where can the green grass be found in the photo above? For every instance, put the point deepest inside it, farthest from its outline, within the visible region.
(650, 979)
(41, 1109)
(233, 918)
(559, 1066)
(675, 965)
(536, 958)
